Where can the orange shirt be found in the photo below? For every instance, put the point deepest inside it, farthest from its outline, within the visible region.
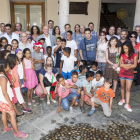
(104, 95)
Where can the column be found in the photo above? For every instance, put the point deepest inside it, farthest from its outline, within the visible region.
(137, 13)
(63, 14)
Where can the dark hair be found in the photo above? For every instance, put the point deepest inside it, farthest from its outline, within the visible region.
(59, 76)
(89, 74)
(12, 60)
(104, 27)
(94, 63)
(25, 50)
(15, 40)
(63, 40)
(87, 29)
(99, 72)
(3, 53)
(51, 58)
(55, 29)
(58, 38)
(67, 25)
(3, 38)
(74, 73)
(133, 33)
(42, 39)
(130, 49)
(67, 50)
(124, 30)
(8, 25)
(75, 27)
(5, 47)
(38, 30)
(112, 26)
(84, 62)
(49, 47)
(50, 21)
(112, 38)
(82, 67)
(90, 23)
(119, 27)
(69, 32)
(103, 32)
(19, 24)
(108, 80)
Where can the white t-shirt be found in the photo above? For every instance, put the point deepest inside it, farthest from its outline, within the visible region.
(72, 44)
(68, 63)
(48, 41)
(97, 83)
(20, 70)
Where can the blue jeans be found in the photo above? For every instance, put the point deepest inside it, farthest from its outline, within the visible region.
(65, 101)
(68, 74)
(77, 95)
(37, 74)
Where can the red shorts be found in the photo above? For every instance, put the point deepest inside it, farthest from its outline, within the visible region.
(86, 98)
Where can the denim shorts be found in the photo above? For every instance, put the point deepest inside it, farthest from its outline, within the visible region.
(77, 95)
(124, 78)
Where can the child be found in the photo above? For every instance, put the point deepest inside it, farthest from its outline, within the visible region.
(103, 96)
(12, 60)
(87, 87)
(98, 81)
(128, 62)
(29, 40)
(50, 79)
(6, 106)
(48, 54)
(94, 68)
(82, 62)
(59, 52)
(42, 40)
(30, 79)
(77, 92)
(64, 93)
(4, 54)
(82, 74)
(4, 42)
(8, 47)
(15, 45)
(68, 63)
(38, 58)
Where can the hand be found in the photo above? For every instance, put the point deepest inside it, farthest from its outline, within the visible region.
(115, 66)
(67, 86)
(25, 79)
(58, 110)
(138, 61)
(96, 96)
(10, 71)
(111, 110)
(11, 106)
(45, 91)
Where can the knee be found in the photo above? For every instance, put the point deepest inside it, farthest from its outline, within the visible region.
(76, 104)
(13, 114)
(107, 114)
(66, 107)
(122, 87)
(127, 89)
(82, 93)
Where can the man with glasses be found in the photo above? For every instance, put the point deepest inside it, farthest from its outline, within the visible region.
(2, 29)
(51, 25)
(137, 29)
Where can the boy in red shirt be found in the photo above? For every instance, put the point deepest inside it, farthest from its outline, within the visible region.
(103, 96)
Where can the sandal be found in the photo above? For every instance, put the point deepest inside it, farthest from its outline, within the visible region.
(20, 135)
(48, 102)
(54, 101)
(8, 129)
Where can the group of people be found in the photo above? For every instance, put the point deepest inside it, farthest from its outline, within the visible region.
(83, 67)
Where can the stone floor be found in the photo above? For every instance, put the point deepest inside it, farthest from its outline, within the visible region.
(44, 119)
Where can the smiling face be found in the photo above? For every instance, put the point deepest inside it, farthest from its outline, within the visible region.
(14, 44)
(111, 31)
(133, 38)
(4, 42)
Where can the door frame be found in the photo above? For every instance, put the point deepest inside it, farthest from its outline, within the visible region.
(27, 13)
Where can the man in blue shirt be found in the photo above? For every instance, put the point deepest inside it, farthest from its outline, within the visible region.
(67, 28)
(87, 47)
(91, 27)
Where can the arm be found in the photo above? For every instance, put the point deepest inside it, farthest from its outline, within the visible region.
(75, 53)
(55, 50)
(24, 76)
(81, 54)
(59, 104)
(61, 63)
(38, 61)
(111, 101)
(87, 92)
(32, 65)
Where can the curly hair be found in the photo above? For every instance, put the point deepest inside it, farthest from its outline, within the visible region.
(55, 29)
(38, 30)
(112, 38)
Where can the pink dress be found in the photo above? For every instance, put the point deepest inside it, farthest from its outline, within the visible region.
(30, 75)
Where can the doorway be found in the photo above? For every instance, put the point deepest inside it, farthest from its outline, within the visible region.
(28, 14)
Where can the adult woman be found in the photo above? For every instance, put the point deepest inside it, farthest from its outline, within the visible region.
(35, 31)
(4, 42)
(112, 58)
(101, 48)
(104, 28)
(136, 46)
(42, 72)
(76, 33)
(56, 32)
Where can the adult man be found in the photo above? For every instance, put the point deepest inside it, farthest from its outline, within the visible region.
(9, 34)
(49, 39)
(71, 43)
(51, 25)
(87, 47)
(119, 31)
(112, 33)
(2, 29)
(123, 36)
(67, 28)
(24, 43)
(137, 29)
(91, 27)
(18, 29)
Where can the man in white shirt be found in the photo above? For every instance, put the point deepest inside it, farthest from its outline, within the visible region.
(24, 43)
(51, 25)
(2, 29)
(71, 43)
(112, 33)
(9, 34)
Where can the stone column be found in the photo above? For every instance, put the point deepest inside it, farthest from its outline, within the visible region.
(63, 14)
(137, 13)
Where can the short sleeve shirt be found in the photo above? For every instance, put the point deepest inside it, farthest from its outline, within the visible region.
(72, 44)
(88, 85)
(81, 77)
(78, 84)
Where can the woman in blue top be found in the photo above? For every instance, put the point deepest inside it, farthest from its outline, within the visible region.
(76, 33)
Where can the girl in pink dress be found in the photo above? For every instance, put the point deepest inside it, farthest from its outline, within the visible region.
(30, 78)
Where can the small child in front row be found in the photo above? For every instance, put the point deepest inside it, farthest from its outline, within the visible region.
(82, 74)
(94, 68)
(68, 63)
(103, 96)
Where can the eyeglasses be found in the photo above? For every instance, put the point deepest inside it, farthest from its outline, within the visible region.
(132, 36)
(102, 35)
(137, 26)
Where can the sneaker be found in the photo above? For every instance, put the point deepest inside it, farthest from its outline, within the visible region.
(33, 101)
(122, 101)
(82, 109)
(128, 107)
(34, 94)
(91, 112)
(48, 102)
(54, 101)
(71, 110)
(29, 104)
(27, 110)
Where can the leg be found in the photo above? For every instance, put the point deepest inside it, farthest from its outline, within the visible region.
(65, 103)
(31, 94)
(128, 89)
(4, 120)
(16, 111)
(82, 98)
(28, 95)
(114, 85)
(64, 75)
(106, 109)
(88, 101)
(69, 74)
(48, 91)
(122, 87)
(73, 101)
